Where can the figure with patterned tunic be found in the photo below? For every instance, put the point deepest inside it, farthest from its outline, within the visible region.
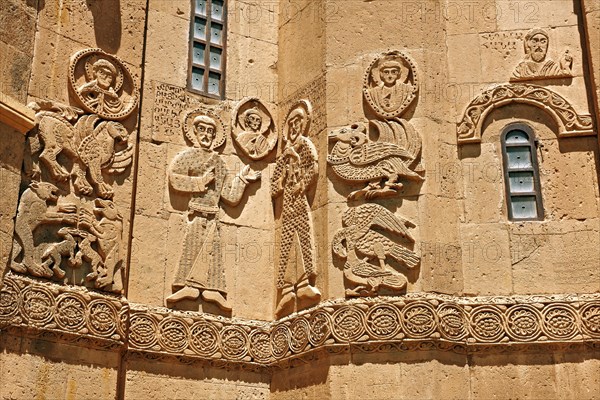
(201, 172)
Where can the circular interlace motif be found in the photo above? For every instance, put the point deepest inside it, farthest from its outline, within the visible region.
(418, 319)
(523, 322)
(348, 323)
(299, 335)
(560, 322)
(320, 328)
(102, 317)
(590, 319)
(9, 300)
(280, 340)
(260, 346)
(452, 321)
(143, 331)
(173, 334)
(38, 305)
(383, 321)
(204, 338)
(234, 342)
(70, 311)
(487, 324)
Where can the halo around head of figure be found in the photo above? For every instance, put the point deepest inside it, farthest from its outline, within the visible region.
(408, 76)
(208, 117)
(301, 108)
(248, 106)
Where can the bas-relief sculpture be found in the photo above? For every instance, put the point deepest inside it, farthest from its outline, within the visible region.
(390, 84)
(102, 84)
(201, 172)
(356, 158)
(360, 237)
(295, 171)
(68, 228)
(386, 164)
(536, 64)
(253, 128)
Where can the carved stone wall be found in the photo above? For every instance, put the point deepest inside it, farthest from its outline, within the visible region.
(335, 227)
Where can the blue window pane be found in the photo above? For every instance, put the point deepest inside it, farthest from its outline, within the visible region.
(215, 58)
(217, 9)
(524, 207)
(199, 49)
(517, 136)
(521, 182)
(216, 33)
(519, 157)
(201, 7)
(200, 28)
(197, 78)
(214, 83)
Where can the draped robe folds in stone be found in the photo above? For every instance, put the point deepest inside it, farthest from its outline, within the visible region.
(200, 265)
(255, 143)
(101, 100)
(297, 177)
(391, 98)
(532, 69)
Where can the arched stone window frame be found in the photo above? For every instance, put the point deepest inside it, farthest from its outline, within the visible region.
(207, 53)
(519, 173)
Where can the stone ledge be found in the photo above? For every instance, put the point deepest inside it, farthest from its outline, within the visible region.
(15, 114)
(414, 322)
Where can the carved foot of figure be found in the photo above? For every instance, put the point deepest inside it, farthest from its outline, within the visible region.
(18, 267)
(82, 187)
(288, 296)
(185, 293)
(105, 191)
(379, 193)
(309, 292)
(103, 281)
(360, 291)
(40, 270)
(213, 296)
(59, 173)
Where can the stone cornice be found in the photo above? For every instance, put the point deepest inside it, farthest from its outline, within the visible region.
(416, 321)
(15, 114)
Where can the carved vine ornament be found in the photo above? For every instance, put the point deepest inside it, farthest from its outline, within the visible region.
(416, 321)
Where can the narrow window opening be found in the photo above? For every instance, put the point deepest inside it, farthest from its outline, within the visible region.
(207, 48)
(521, 174)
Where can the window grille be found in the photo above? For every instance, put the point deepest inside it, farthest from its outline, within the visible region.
(207, 49)
(521, 174)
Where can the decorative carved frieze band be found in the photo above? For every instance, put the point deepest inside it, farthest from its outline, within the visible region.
(569, 122)
(64, 313)
(416, 321)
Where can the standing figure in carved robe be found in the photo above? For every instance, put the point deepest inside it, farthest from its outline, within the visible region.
(295, 170)
(201, 172)
(536, 65)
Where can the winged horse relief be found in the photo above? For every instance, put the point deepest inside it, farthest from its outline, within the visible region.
(89, 143)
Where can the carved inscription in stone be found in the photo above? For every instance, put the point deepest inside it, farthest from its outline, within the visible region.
(295, 171)
(502, 42)
(169, 100)
(382, 164)
(102, 84)
(253, 128)
(536, 64)
(390, 84)
(366, 248)
(201, 172)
